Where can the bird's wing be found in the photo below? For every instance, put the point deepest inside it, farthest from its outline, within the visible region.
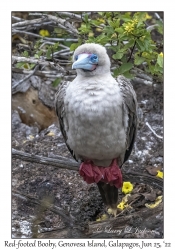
(60, 111)
(129, 110)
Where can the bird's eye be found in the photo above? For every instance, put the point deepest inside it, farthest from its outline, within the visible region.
(94, 58)
(76, 57)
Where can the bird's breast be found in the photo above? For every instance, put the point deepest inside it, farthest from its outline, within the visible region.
(94, 120)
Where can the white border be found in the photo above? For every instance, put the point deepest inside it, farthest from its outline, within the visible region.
(5, 96)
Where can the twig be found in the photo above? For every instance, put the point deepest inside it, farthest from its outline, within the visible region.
(29, 27)
(151, 27)
(52, 207)
(17, 18)
(61, 51)
(47, 74)
(24, 79)
(65, 164)
(38, 61)
(131, 51)
(43, 44)
(158, 17)
(45, 38)
(141, 74)
(28, 22)
(147, 124)
(71, 15)
(143, 81)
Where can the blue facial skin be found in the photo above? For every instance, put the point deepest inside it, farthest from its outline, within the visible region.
(85, 61)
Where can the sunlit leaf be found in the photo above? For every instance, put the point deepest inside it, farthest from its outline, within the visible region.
(56, 82)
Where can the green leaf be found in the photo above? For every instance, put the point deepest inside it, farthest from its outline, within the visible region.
(74, 46)
(32, 65)
(128, 75)
(118, 55)
(85, 17)
(128, 45)
(125, 67)
(55, 46)
(48, 53)
(140, 45)
(138, 60)
(56, 82)
(19, 65)
(36, 56)
(119, 30)
(25, 54)
(160, 61)
(23, 65)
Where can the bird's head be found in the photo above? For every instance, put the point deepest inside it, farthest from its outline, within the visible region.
(91, 59)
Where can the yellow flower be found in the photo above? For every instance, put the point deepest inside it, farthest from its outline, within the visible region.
(157, 202)
(121, 205)
(101, 20)
(102, 217)
(114, 35)
(44, 33)
(148, 16)
(135, 21)
(161, 54)
(98, 29)
(91, 34)
(127, 187)
(159, 174)
(129, 27)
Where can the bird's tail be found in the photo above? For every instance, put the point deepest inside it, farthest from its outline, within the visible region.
(109, 194)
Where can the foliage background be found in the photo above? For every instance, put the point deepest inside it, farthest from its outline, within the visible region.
(134, 41)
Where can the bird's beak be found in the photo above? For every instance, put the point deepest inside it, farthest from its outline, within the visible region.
(83, 62)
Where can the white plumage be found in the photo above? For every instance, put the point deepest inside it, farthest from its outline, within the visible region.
(97, 114)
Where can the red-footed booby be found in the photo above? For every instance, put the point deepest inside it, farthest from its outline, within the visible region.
(98, 120)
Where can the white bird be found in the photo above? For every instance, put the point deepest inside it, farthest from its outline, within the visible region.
(98, 120)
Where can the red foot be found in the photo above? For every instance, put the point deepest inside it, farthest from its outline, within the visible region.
(92, 173)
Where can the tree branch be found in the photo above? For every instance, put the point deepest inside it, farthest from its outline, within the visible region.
(64, 24)
(66, 163)
(37, 61)
(16, 31)
(17, 85)
(60, 163)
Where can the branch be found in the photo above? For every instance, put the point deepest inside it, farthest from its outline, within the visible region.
(28, 22)
(47, 74)
(58, 21)
(17, 18)
(24, 79)
(158, 136)
(158, 17)
(45, 38)
(66, 163)
(60, 163)
(131, 51)
(71, 15)
(51, 207)
(152, 27)
(37, 61)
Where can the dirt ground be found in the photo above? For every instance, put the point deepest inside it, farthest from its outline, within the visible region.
(66, 190)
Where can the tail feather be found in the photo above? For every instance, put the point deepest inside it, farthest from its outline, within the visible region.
(109, 194)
